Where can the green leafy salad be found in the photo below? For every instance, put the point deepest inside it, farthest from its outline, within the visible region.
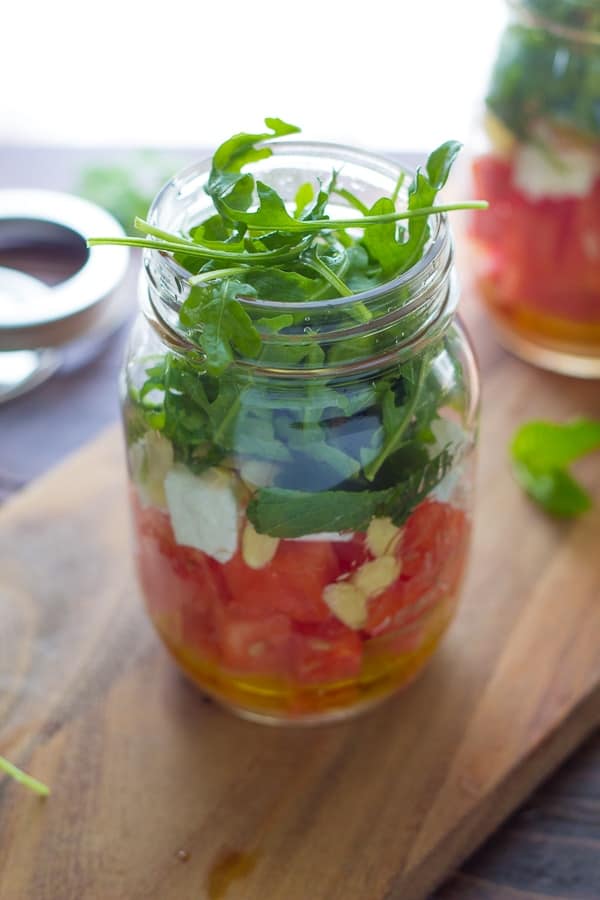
(338, 450)
(544, 75)
(365, 443)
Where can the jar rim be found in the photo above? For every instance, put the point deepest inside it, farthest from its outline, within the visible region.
(410, 310)
(383, 165)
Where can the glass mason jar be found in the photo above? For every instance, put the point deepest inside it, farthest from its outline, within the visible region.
(537, 162)
(302, 521)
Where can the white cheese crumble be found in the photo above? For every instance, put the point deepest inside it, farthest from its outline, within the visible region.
(334, 536)
(570, 172)
(204, 511)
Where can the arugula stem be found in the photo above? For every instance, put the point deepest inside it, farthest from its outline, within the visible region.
(231, 415)
(203, 277)
(364, 221)
(146, 228)
(351, 200)
(397, 187)
(27, 780)
(393, 440)
(329, 275)
(262, 256)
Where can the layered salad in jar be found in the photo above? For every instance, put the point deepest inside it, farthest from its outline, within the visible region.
(539, 167)
(301, 530)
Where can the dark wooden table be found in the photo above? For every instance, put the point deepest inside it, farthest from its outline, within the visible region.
(551, 847)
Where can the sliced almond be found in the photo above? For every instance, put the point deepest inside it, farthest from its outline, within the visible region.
(383, 536)
(257, 549)
(347, 602)
(372, 578)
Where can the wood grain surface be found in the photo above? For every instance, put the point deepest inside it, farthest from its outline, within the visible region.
(135, 809)
(159, 794)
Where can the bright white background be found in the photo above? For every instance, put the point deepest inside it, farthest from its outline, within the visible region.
(401, 74)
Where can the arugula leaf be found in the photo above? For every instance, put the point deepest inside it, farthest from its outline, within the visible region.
(275, 323)
(271, 213)
(382, 241)
(541, 452)
(277, 284)
(304, 195)
(310, 438)
(226, 178)
(286, 513)
(439, 164)
(220, 324)
(397, 419)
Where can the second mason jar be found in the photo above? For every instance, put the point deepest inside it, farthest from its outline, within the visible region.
(302, 521)
(537, 162)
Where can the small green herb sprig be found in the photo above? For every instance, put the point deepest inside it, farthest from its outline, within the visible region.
(27, 780)
(541, 453)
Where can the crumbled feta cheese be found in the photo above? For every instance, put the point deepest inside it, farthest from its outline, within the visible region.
(150, 460)
(204, 511)
(445, 490)
(569, 172)
(448, 432)
(339, 536)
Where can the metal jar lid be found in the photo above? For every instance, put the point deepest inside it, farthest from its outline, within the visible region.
(34, 316)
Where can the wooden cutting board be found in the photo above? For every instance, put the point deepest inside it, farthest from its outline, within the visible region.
(157, 793)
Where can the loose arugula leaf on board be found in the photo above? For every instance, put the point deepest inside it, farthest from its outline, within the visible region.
(541, 453)
(23, 778)
(555, 491)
